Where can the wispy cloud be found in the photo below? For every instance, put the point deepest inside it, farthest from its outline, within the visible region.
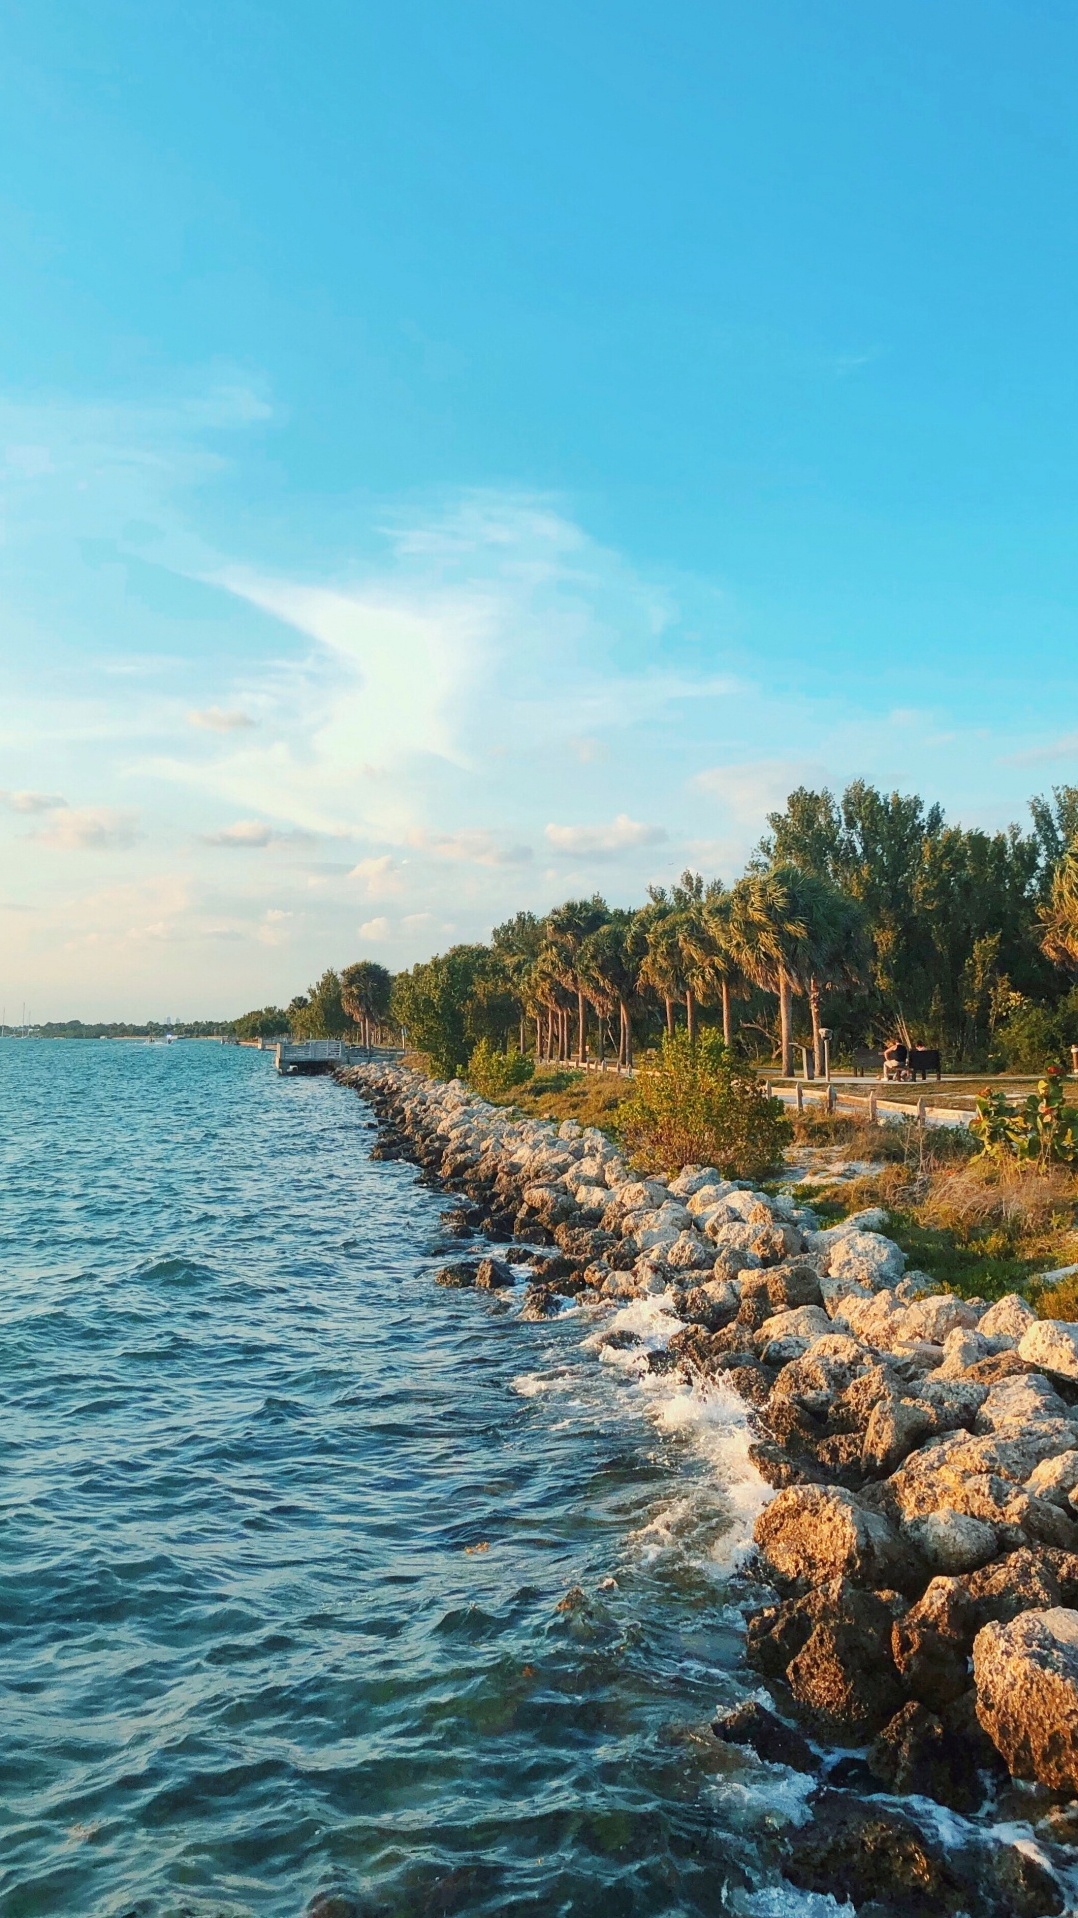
(620, 835)
(249, 833)
(89, 828)
(753, 788)
(32, 802)
(471, 845)
(375, 929)
(1065, 747)
(216, 719)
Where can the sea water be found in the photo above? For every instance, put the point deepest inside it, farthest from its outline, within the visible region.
(318, 1579)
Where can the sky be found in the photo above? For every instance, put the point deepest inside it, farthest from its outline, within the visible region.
(454, 458)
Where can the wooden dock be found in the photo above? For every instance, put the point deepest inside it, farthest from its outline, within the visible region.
(310, 1056)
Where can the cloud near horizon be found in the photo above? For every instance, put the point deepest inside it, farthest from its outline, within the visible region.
(483, 659)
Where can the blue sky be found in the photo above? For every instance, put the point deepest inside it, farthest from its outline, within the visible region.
(456, 456)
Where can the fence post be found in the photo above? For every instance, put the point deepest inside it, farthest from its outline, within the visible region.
(922, 1112)
(873, 1109)
(832, 1097)
(800, 1096)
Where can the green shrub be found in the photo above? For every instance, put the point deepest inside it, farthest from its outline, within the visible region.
(1043, 1129)
(494, 1073)
(694, 1104)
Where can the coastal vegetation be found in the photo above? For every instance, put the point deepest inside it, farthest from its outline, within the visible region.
(866, 917)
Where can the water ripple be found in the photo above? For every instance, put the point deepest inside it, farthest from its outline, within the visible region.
(317, 1577)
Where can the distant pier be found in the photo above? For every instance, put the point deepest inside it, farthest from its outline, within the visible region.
(325, 1055)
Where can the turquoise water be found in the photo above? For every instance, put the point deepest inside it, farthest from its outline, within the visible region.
(288, 1535)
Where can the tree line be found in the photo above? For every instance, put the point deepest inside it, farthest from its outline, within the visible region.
(867, 915)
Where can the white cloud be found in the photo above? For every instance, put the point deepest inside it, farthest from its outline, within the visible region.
(381, 876)
(376, 929)
(32, 802)
(472, 845)
(245, 833)
(756, 787)
(89, 829)
(216, 719)
(621, 835)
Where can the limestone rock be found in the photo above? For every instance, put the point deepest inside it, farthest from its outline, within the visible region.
(1052, 1346)
(713, 1305)
(916, 1753)
(895, 1427)
(1026, 1675)
(778, 1744)
(1022, 1401)
(494, 1275)
(1055, 1478)
(461, 1273)
(793, 1284)
(953, 1541)
(868, 1258)
(803, 1323)
(811, 1533)
(873, 1856)
(844, 1679)
(690, 1253)
(1009, 1318)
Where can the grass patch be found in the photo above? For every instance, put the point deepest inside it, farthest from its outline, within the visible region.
(592, 1098)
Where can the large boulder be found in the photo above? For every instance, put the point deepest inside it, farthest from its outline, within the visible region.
(1009, 1318)
(1026, 1675)
(844, 1680)
(953, 1542)
(1051, 1346)
(1022, 1401)
(868, 1258)
(788, 1335)
(810, 1533)
(915, 1752)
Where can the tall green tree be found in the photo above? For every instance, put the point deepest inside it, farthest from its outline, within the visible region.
(567, 927)
(366, 989)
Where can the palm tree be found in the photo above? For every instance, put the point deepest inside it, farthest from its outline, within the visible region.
(1059, 916)
(710, 948)
(567, 927)
(609, 969)
(365, 994)
(767, 936)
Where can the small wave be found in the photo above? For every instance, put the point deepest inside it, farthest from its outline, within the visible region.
(175, 1270)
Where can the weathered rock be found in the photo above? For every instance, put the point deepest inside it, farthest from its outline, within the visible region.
(1051, 1346)
(811, 1533)
(929, 1647)
(868, 1258)
(494, 1275)
(1055, 1478)
(1022, 1581)
(845, 1680)
(1022, 1401)
(791, 1333)
(540, 1302)
(935, 1318)
(915, 1752)
(713, 1305)
(776, 1633)
(895, 1427)
(690, 1253)
(793, 1284)
(1009, 1318)
(462, 1273)
(1001, 1365)
(777, 1743)
(873, 1856)
(952, 1541)
(1026, 1675)
(582, 1241)
(824, 1372)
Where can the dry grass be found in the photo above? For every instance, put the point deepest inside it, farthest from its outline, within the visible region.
(1021, 1201)
(592, 1098)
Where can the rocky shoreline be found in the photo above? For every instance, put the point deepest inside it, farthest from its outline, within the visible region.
(921, 1543)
